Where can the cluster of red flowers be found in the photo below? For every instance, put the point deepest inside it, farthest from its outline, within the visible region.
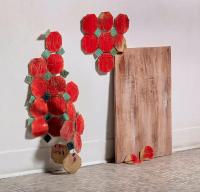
(103, 36)
(51, 106)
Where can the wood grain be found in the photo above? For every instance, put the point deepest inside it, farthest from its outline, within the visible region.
(143, 101)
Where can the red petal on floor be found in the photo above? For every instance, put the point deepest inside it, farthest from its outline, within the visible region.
(79, 124)
(37, 67)
(53, 42)
(77, 143)
(72, 90)
(89, 44)
(39, 127)
(105, 21)
(106, 42)
(56, 85)
(55, 125)
(38, 108)
(56, 105)
(134, 158)
(55, 63)
(105, 62)
(89, 24)
(38, 87)
(121, 23)
(70, 109)
(148, 152)
(67, 131)
(120, 42)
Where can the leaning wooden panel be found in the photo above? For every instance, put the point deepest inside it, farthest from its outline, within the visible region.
(143, 101)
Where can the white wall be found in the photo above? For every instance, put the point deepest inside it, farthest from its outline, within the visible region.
(152, 23)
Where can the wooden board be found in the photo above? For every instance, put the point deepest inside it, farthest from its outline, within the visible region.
(143, 101)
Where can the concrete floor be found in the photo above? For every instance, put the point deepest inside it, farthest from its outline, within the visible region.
(179, 172)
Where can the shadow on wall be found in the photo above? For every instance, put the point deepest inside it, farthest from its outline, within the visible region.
(110, 132)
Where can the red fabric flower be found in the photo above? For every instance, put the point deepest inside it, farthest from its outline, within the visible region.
(39, 127)
(37, 67)
(72, 130)
(79, 124)
(135, 159)
(72, 90)
(38, 87)
(56, 105)
(56, 85)
(55, 63)
(53, 42)
(89, 24)
(120, 42)
(77, 143)
(55, 125)
(105, 62)
(106, 42)
(148, 153)
(38, 108)
(70, 109)
(67, 131)
(89, 44)
(121, 23)
(105, 21)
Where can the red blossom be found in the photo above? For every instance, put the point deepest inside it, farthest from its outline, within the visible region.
(105, 21)
(106, 42)
(121, 23)
(53, 42)
(55, 63)
(38, 87)
(79, 124)
(89, 24)
(70, 109)
(38, 108)
(89, 43)
(72, 90)
(55, 125)
(39, 127)
(56, 105)
(37, 67)
(105, 62)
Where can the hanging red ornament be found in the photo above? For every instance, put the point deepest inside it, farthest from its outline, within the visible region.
(37, 67)
(89, 44)
(70, 109)
(105, 21)
(89, 24)
(121, 23)
(105, 62)
(38, 87)
(56, 85)
(55, 124)
(55, 63)
(106, 42)
(39, 127)
(53, 42)
(79, 124)
(77, 143)
(56, 105)
(72, 90)
(67, 131)
(38, 108)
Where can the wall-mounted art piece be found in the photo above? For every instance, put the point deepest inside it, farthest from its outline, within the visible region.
(104, 38)
(50, 104)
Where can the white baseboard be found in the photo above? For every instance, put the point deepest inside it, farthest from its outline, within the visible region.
(29, 161)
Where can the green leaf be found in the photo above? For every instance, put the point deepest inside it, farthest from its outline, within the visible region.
(47, 75)
(61, 51)
(47, 33)
(65, 116)
(66, 96)
(28, 79)
(97, 32)
(113, 52)
(46, 54)
(113, 32)
(31, 99)
(64, 73)
(29, 121)
(98, 52)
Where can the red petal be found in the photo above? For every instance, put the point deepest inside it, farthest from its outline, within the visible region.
(56, 105)
(38, 108)
(89, 44)
(55, 125)
(105, 21)
(105, 62)
(70, 109)
(56, 85)
(67, 130)
(89, 23)
(39, 127)
(106, 42)
(37, 67)
(121, 23)
(148, 152)
(79, 124)
(53, 42)
(55, 63)
(77, 143)
(72, 90)
(39, 87)
(120, 42)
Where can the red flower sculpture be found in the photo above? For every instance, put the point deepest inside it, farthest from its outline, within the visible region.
(104, 36)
